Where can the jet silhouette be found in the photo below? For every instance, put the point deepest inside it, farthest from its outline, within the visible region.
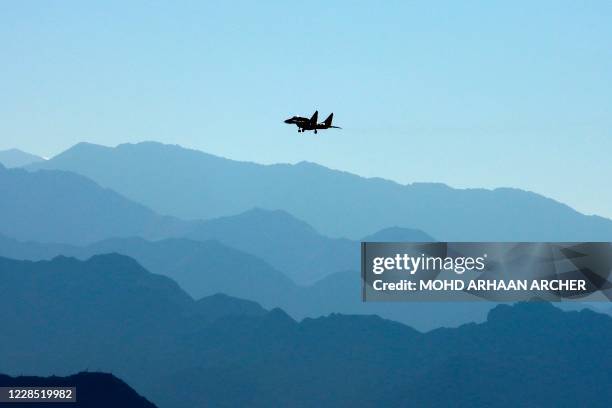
(305, 124)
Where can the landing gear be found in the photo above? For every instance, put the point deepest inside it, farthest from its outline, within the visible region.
(315, 131)
(299, 130)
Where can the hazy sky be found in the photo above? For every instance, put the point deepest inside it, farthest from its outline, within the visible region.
(472, 94)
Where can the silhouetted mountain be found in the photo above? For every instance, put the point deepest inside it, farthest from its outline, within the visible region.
(109, 303)
(106, 314)
(109, 314)
(17, 158)
(526, 355)
(205, 268)
(291, 245)
(288, 244)
(192, 184)
(57, 206)
(200, 268)
(93, 390)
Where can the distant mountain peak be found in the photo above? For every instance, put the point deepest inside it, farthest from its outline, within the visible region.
(79, 149)
(306, 163)
(17, 158)
(266, 218)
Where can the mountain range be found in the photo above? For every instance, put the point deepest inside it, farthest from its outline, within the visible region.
(284, 245)
(194, 185)
(204, 281)
(209, 267)
(200, 268)
(254, 254)
(109, 314)
(63, 207)
(291, 245)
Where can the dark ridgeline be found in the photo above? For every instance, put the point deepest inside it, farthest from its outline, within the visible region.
(191, 184)
(203, 268)
(109, 314)
(94, 390)
(200, 268)
(208, 267)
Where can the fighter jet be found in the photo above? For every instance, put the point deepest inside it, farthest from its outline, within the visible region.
(305, 124)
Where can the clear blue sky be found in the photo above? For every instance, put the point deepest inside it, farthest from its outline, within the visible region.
(472, 94)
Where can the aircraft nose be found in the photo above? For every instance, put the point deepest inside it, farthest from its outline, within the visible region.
(288, 121)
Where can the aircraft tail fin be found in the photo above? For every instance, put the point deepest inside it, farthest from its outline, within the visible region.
(314, 118)
(328, 121)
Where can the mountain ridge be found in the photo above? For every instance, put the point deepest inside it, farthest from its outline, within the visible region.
(65, 207)
(157, 344)
(336, 203)
(207, 268)
(59, 206)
